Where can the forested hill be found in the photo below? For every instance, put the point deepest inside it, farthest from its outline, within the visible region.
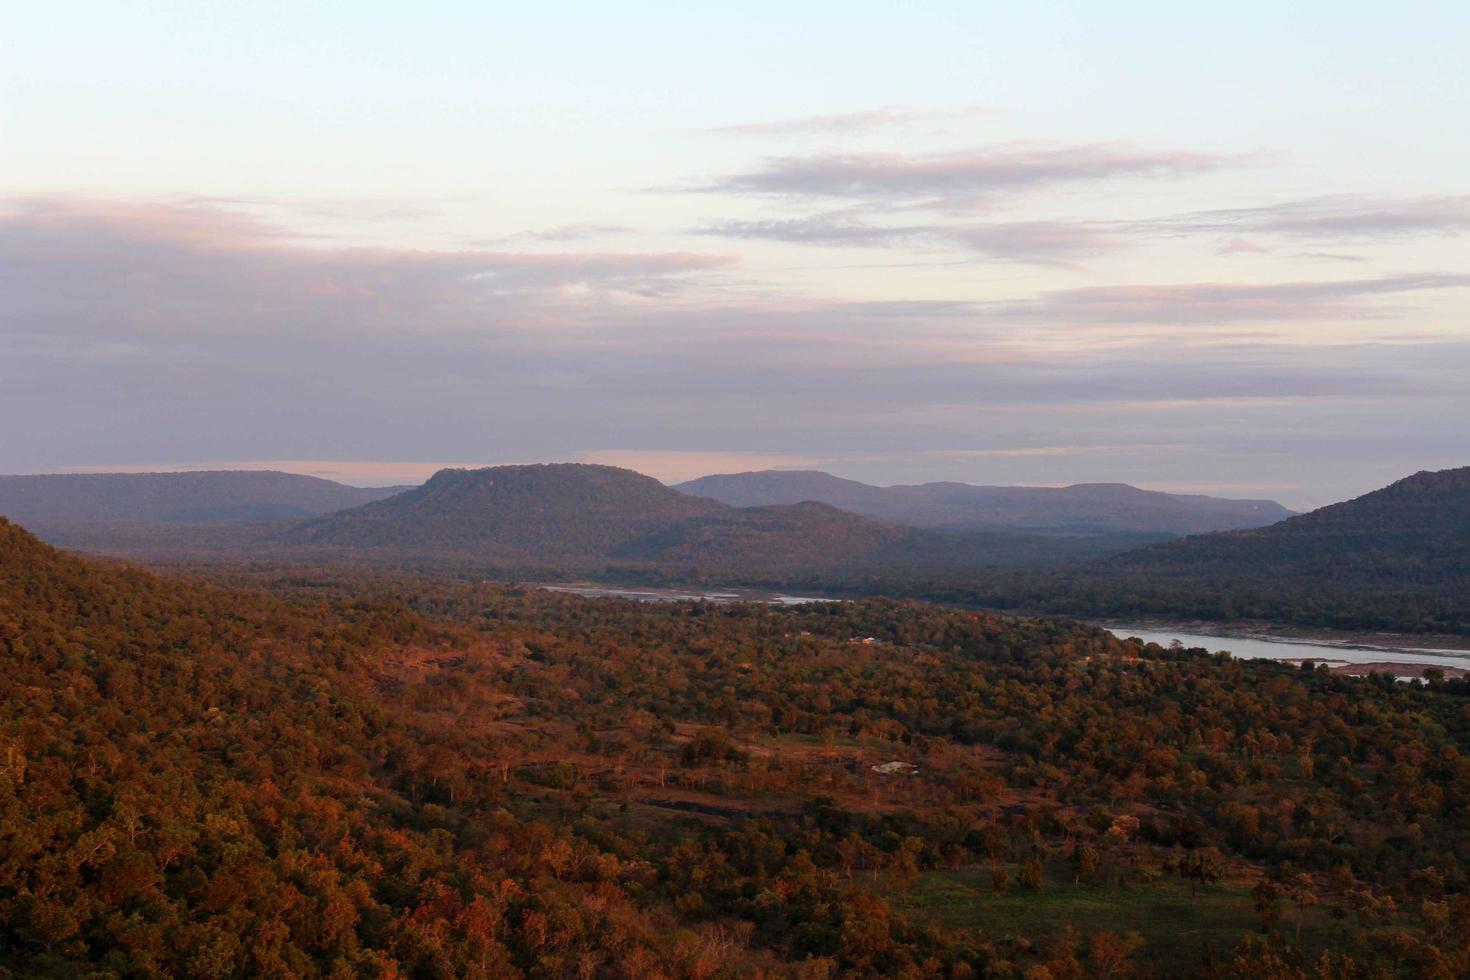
(1395, 559)
(550, 510)
(310, 780)
(198, 497)
(1095, 507)
(574, 512)
(1415, 531)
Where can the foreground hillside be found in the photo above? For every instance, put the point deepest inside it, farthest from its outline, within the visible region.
(1091, 507)
(306, 778)
(190, 498)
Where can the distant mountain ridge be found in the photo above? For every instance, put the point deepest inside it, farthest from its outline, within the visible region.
(580, 513)
(1085, 507)
(199, 497)
(1415, 528)
(1394, 559)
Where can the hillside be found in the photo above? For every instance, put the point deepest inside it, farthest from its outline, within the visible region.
(199, 497)
(574, 512)
(772, 538)
(1394, 559)
(1094, 507)
(1413, 533)
(546, 511)
(307, 779)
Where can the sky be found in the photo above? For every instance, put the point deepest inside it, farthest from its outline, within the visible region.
(1205, 248)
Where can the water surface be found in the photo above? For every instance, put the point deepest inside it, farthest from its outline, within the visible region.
(675, 595)
(1280, 648)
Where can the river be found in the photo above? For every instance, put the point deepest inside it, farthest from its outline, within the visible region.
(676, 595)
(1254, 646)
(1280, 648)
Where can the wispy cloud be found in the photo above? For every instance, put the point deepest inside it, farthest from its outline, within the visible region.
(966, 178)
(1237, 246)
(1034, 242)
(1339, 218)
(1040, 242)
(1095, 449)
(1218, 302)
(851, 122)
(579, 231)
(833, 228)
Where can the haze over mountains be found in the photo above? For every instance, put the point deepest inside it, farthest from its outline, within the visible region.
(190, 498)
(1090, 507)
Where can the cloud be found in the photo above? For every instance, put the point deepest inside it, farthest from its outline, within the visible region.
(1098, 449)
(1216, 302)
(1041, 242)
(1340, 218)
(137, 332)
(838, 228)
(878, 187)
(963, 179)
(579, 231)
(1332, 257)
(1237, 246)
(850, 122)
(1034, 242)
(75, 265)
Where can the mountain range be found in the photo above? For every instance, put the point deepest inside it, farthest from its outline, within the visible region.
(1398, 558)
(201, 497)
(1085, 507)
(541, 516)
(575, 512)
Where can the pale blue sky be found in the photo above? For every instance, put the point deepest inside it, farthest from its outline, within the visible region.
(897, 241)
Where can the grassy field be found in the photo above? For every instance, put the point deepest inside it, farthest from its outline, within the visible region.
(1180, 930)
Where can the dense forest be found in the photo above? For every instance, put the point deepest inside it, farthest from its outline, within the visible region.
(296, 771)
